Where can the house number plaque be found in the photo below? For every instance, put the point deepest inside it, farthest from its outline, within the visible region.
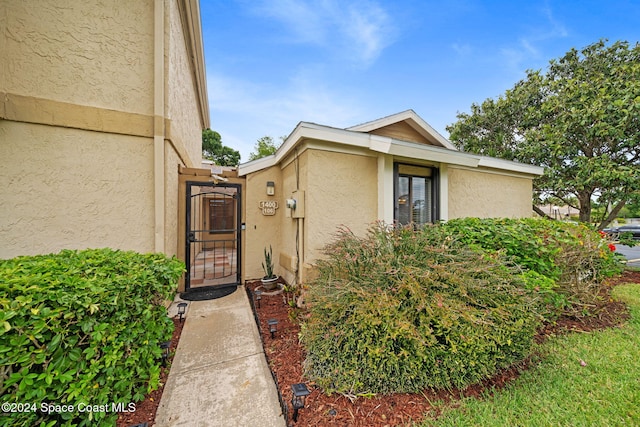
(269, 207)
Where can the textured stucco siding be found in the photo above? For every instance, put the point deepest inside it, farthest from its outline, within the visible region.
(60, 193)
(478, 193)
(342, 190)
(171, 200)
(182, 100)
(89, 52)
(295, 176)
(261, 231)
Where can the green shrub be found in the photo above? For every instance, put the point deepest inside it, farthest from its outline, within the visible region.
(573, 256)
(82, 328)
(401, 311)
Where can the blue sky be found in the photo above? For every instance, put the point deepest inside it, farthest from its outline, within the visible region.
(273, 63)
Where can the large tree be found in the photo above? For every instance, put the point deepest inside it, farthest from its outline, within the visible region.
(213, 149)
(580, 120)
(264, 147)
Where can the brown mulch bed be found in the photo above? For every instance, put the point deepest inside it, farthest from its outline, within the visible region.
(146, 410)
(285, 356)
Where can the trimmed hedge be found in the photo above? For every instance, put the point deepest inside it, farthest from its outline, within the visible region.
(82, 328)
(401, 311)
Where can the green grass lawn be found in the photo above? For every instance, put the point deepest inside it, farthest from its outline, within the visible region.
(559, 390)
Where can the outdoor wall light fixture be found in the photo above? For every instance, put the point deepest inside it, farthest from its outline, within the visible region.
(273, 326)
(165, 351)
(300, 393)
(258, 297)
(271, 188)
(182, 308)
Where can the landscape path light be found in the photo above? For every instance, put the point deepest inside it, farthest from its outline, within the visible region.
(300, 393)
(182, 308)
(273, 326)
(258, 297)
(165, 351)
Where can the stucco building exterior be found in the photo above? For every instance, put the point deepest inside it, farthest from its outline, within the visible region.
(101, 105)
(395, 169)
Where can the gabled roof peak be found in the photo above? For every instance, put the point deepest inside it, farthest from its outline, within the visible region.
(410, 118)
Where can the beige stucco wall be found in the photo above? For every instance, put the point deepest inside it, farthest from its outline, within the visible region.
(58, 193)
(88, 52)
(77, 124)
(171, 200)
(182, 102)
(487, 194)
(261, 231)
(342, 190)
(183, 146)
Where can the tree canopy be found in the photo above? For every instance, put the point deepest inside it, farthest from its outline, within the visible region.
(264, 147)
(213, 149)
(580, 120)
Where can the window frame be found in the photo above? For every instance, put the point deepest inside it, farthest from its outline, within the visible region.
(431, 174)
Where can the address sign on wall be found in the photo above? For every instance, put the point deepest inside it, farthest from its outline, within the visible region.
(269, 207)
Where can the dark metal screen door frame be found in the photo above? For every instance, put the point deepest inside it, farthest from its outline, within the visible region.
(213, 235)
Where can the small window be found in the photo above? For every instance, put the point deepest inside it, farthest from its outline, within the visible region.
(414, 189)
(221, 215)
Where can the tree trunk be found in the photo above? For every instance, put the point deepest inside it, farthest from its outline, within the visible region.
(612, 215)
(584, 198)
(541, 212)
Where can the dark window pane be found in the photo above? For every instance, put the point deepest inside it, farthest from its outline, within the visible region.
(221, 214)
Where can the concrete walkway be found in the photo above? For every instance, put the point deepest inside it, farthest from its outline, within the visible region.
(219, 375)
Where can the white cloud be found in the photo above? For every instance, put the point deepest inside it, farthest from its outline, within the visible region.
(242, 111)
(357, 31)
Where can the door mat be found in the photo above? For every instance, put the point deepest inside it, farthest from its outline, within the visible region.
(207, 294)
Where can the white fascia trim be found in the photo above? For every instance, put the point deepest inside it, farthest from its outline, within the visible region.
(384, 145)
(492, 162)
(256, 165)
(302, 131)
(434, 133)
(422, 152)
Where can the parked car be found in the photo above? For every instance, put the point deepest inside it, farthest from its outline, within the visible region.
(634, 229)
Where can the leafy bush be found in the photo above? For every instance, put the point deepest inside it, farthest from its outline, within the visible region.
(82, 328)
(401, 311)
(573, 256)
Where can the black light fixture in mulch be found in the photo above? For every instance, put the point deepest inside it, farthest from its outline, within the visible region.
(140, 425)
(300, 393)
(258, 297)
(182, 309)
(165, 351)
(273, 327)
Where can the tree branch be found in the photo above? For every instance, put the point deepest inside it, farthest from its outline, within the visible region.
(612, 215)
(540, 212)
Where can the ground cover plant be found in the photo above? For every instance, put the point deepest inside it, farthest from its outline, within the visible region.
(588, 379)
(81, 329)
(401, 311)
